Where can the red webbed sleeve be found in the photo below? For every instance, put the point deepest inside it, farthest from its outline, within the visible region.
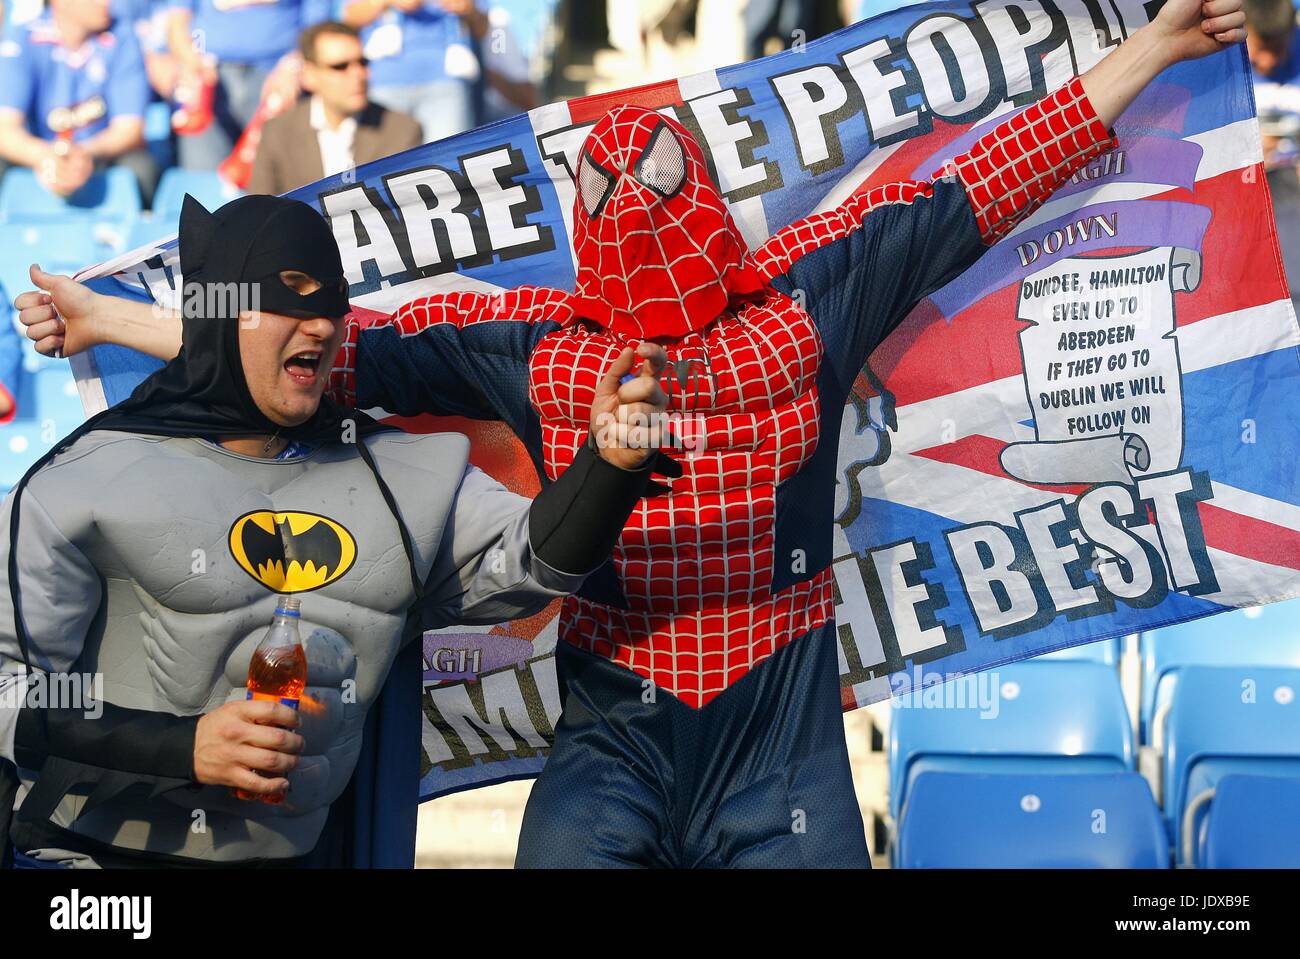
(342, 384)
(1012, 170)
(1006, 175)
(460, 352)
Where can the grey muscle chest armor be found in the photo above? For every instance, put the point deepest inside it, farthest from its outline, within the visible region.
(144, 560)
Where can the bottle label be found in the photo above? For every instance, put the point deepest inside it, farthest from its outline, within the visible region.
(291, 703)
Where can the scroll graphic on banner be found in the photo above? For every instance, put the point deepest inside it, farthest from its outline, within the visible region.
(1101, 368)
(1089, 433)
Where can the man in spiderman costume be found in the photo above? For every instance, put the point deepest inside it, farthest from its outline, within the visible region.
(701, 717)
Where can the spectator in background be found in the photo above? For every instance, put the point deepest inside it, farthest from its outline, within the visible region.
(866, 9)
(236, 45)
(1271, 40)
(508, 86)
(1275, 55)
(72, 97)
(789, 22)
(422, 61)
(337, 127)
(1280, 132)
(148, 18)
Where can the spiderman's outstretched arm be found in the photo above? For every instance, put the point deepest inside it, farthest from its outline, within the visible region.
(862, 267)
(460, 354)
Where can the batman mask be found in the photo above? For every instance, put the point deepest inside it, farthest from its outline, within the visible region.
(250, 242)
(233, 260)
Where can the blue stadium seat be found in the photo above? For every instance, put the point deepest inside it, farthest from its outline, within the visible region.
(19, 384)
(59, 246)
(110, 196)
(865, 9)
(158, 122)
(1264, 635)
(25, 394)
(1226, 720)
(959, 820)
(207, 188)
(158, 134)
(32, 361)
(22, 443)
(1254, 823)
(149, 229)
(57, 400)
(48, 410)
(1106, 652)
(1046, 717)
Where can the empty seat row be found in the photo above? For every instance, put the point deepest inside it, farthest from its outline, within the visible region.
(1088, 820)
(1225, 721)
(1253, 823)
(1264, 635)
(1022, 752)
(1031, 718)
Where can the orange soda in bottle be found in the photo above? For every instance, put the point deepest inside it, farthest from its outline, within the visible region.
(278, 670)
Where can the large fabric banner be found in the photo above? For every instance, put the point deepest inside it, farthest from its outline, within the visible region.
(1090, 433)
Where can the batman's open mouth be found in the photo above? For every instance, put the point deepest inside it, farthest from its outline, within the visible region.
(303, 367)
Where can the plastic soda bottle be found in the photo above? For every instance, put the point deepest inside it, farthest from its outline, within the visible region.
(278, 670)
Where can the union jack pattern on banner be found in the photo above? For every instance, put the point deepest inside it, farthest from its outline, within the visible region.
(1089, 433)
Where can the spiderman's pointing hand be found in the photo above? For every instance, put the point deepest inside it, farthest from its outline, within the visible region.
(629, 417)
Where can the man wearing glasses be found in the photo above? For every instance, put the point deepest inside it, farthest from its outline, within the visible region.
(336, 127)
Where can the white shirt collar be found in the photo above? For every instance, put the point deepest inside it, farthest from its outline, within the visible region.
(317, 120)
(336, 146)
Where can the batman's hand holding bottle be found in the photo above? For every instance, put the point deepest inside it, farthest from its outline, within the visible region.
(253, 748)
(248, 745)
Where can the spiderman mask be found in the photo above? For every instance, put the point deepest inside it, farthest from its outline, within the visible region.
(658, 254)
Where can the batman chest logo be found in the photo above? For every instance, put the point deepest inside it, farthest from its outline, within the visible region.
(291, 552)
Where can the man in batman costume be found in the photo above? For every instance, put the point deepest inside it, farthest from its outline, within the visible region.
(144, 555)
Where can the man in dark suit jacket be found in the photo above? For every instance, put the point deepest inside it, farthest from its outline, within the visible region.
(334, 128)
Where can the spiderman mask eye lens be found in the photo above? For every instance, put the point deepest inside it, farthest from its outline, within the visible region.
(662, 166)
(594, 185)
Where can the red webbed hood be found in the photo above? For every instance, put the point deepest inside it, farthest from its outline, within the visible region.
(658, 254)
